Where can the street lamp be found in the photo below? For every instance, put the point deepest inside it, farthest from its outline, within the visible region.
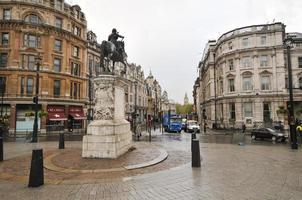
(38, 60)
(293, 135)
(2, 87)
(135, 107)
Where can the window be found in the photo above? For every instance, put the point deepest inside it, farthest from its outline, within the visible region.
(59, 4)
(230, 45)
(75, 90)
(57, 64)
(248, 109)
(56, 88)
(7, 14)
(76, 30)
(22, 86)
(300, 62)
(247, 83)
(231, 85)
(30, 86)
(58, 22)
(231, 64)
(300, 82)
(75, 51)
(266, 111)
(265, 83)
(232, 111)
(286, 82)
(58, 45)
(263, 40)
(75, 69)
(263, 61)
(77, 14)
(3, 60)
(246, 62)
(29, 62)
(32, 41)
(245, 42)
(2, 84)
(33, 19)
(5, 39)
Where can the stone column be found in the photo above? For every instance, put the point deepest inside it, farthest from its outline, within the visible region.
(109, 135)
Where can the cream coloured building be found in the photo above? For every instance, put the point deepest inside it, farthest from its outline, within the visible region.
(243, 77)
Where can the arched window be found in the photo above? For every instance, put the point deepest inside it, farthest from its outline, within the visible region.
(300, 82)
(33, 19)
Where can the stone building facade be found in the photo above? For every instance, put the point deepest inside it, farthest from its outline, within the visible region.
(243, 78)
(56, 32)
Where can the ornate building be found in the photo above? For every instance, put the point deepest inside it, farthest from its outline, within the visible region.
(55, 32)
(186, 99)
(243, 77)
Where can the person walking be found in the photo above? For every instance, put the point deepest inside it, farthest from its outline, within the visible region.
(243, 128)
(299, 132)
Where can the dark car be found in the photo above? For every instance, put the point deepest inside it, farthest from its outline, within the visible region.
(268, 133)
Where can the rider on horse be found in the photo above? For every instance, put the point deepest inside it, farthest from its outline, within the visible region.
(113, 37)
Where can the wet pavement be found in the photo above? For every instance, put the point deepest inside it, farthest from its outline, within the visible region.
(255, 170)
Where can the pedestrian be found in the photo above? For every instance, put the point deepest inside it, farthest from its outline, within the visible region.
(299, 132)
(205, 128)
(243, 128)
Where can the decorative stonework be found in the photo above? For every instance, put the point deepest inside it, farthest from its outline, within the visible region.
(108, 135)
(104, 99)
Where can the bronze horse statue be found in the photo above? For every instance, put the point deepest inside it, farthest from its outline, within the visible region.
(111, 52)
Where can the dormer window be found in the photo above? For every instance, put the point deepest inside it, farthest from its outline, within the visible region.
(59, 4)
(32, 19)
(76, 30)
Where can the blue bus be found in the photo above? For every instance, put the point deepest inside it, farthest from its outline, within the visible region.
(172, 123)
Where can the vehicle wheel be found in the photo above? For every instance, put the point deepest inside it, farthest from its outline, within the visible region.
(274, 138)
(253, 137)
(283, 140)
(179, 131)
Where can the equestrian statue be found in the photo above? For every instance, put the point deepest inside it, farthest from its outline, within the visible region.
(113, 50)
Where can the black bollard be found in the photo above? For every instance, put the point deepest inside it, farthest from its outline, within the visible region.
(193, 136)
(36, 175)
(1, 142)
(195, 153)
(62, 141)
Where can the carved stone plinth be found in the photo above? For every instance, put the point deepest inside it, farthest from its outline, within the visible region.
(109, 135)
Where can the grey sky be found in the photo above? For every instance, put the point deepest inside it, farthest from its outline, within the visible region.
(168, 36)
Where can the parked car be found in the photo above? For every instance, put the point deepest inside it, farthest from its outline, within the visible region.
(268, 133)
(191, 125)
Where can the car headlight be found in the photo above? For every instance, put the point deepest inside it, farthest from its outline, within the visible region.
(280, 134)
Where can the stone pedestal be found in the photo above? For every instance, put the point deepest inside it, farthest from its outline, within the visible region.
(109, 135)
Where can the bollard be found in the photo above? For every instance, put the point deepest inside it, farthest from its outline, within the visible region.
(1, 142)
(195, 153)
(62, 141)
(193, 136)
(36, 175)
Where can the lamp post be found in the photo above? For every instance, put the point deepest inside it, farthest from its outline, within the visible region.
(293, 135)
(135, 107)
(2, 87)
(36, 101)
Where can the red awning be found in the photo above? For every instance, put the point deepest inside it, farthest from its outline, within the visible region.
(56, 116)
(77, 116)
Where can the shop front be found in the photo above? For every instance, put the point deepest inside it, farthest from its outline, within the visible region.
(25, 117)
(55, 118)
(76, 118)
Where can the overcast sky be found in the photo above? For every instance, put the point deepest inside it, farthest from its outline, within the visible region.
(168, 36)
